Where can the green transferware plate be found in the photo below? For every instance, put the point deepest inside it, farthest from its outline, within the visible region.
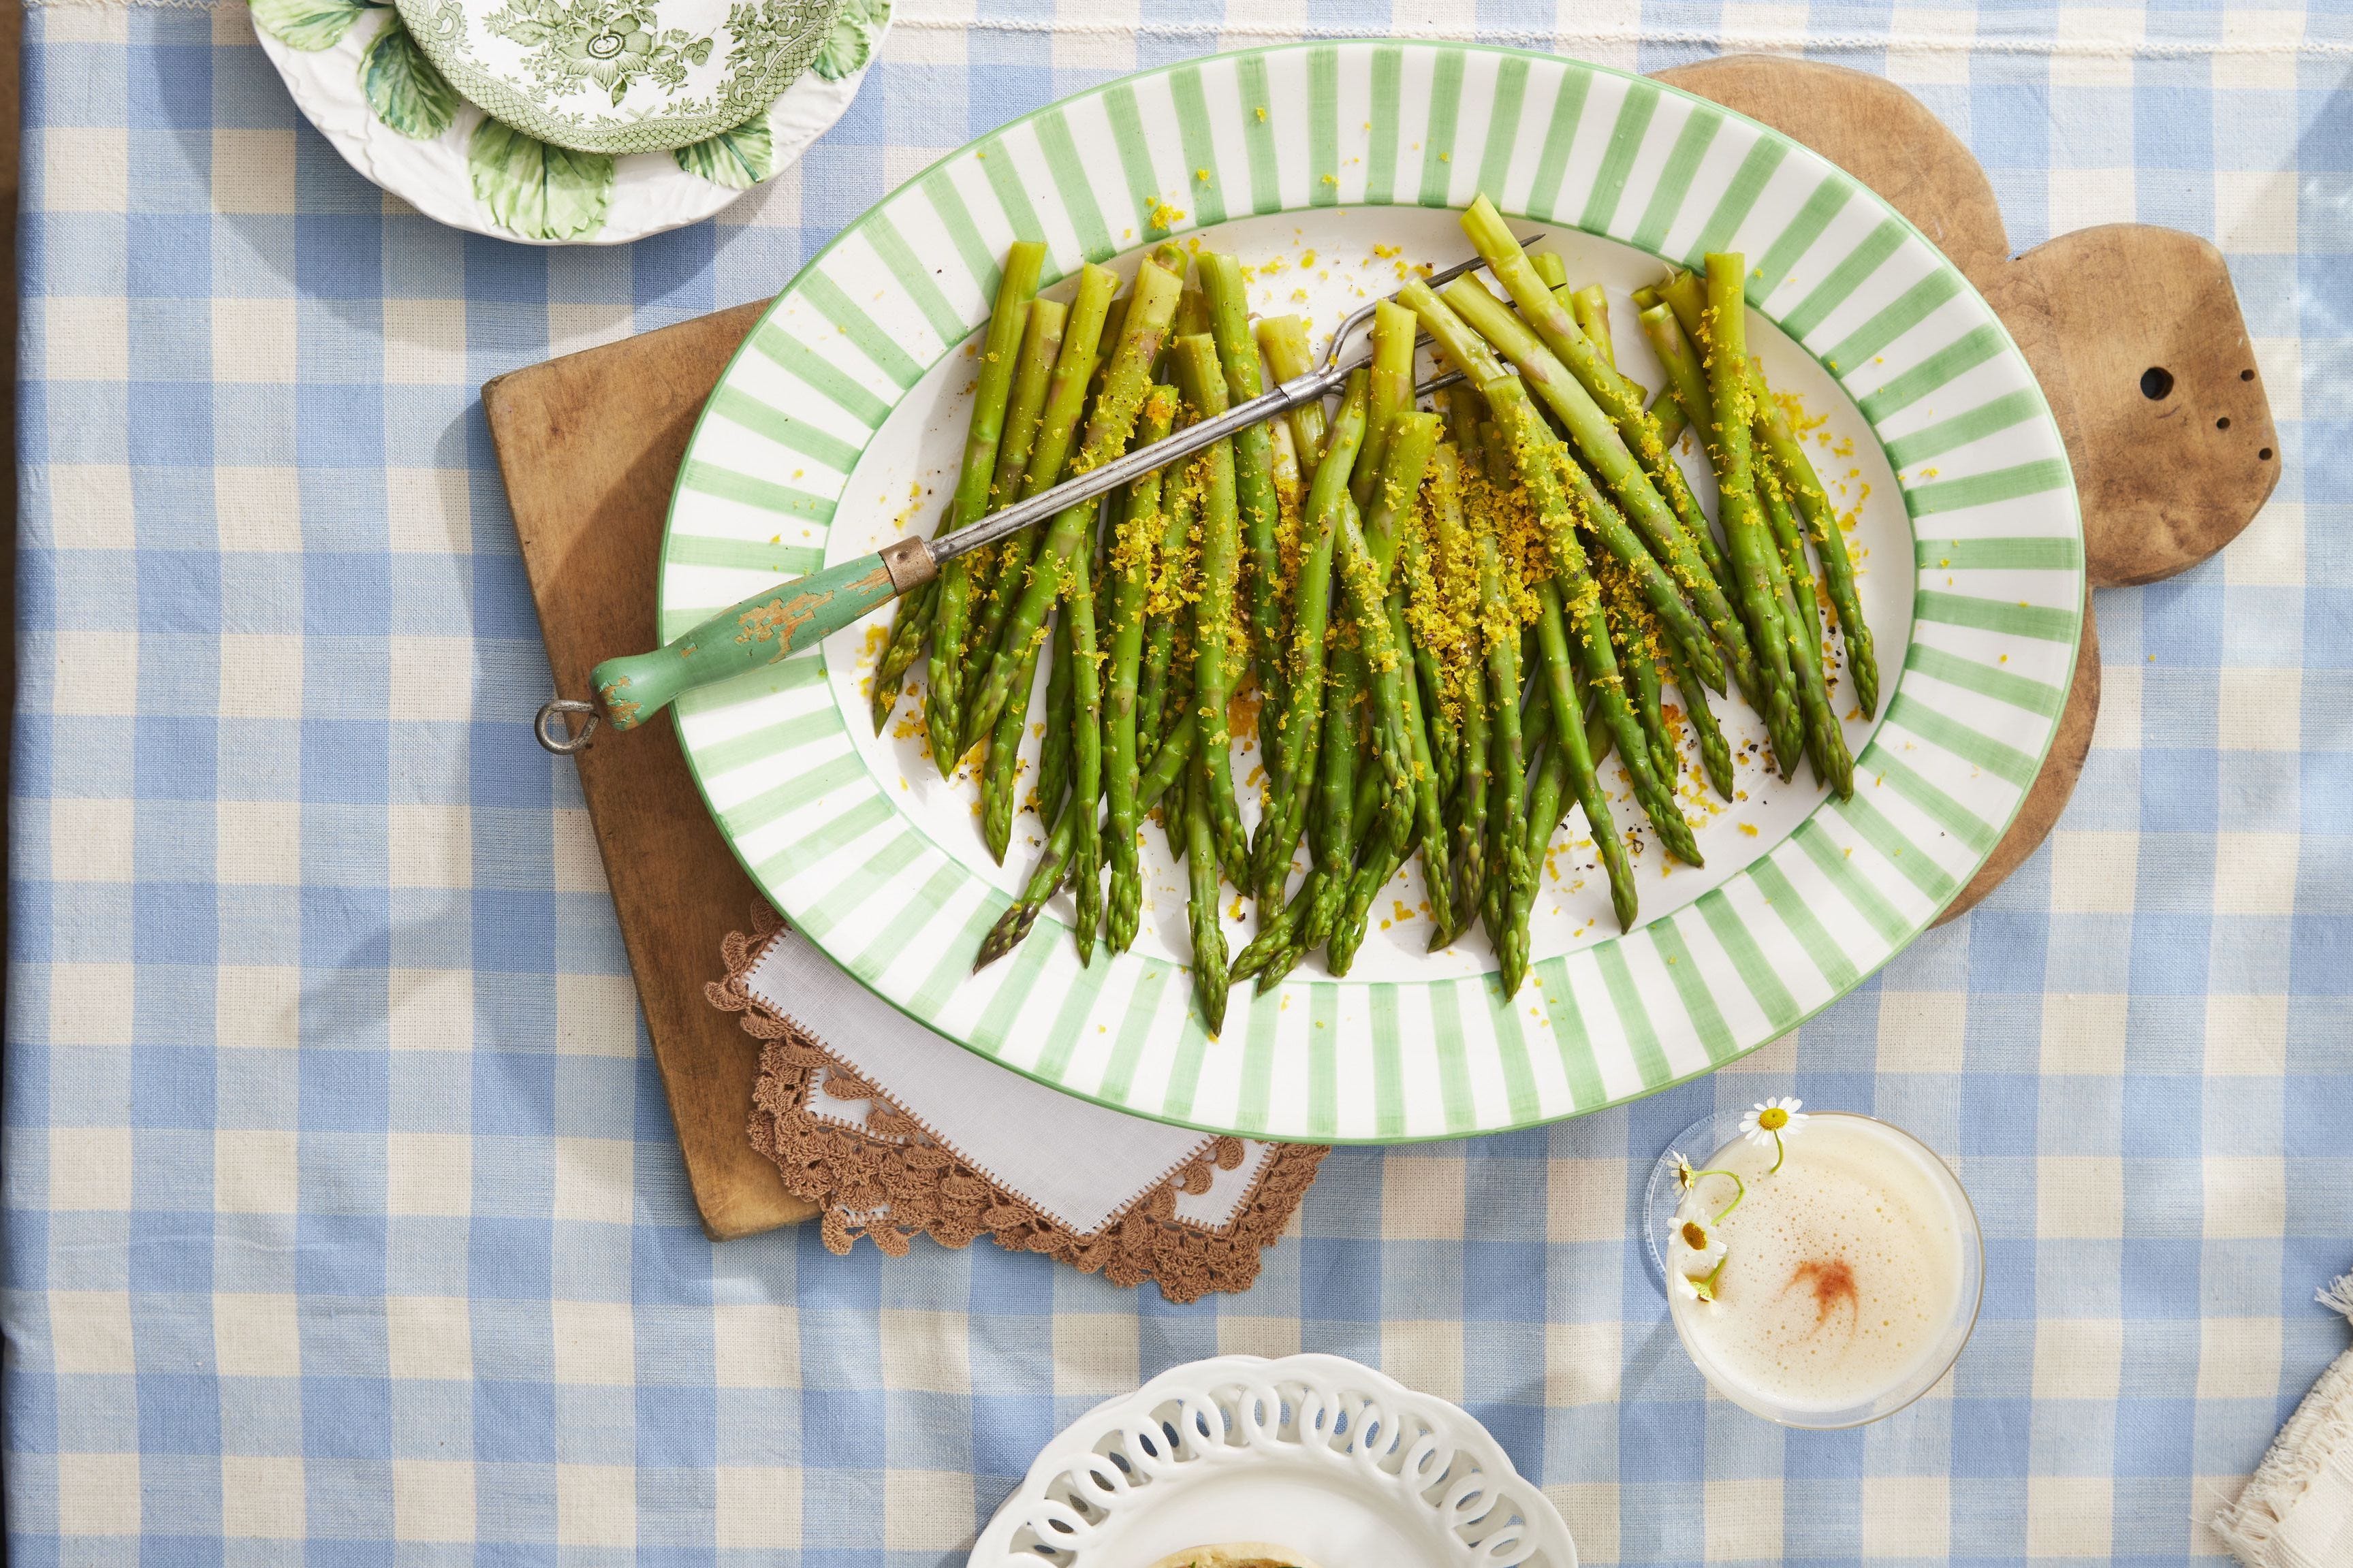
(1329, 168)
(620, 76)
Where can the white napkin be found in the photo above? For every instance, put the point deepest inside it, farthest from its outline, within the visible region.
(1073, 1161)
(2297, 1509)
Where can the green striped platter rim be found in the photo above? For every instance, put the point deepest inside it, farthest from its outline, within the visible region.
(1966, 719)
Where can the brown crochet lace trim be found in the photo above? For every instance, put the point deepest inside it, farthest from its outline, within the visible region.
(890, 1179)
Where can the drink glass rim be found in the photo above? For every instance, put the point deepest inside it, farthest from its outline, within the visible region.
(1661, 1199)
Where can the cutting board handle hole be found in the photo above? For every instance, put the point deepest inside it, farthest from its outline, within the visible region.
(2157, 384)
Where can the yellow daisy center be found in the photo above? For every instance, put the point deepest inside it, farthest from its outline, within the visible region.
(1695, 1236)
(1773, 1119)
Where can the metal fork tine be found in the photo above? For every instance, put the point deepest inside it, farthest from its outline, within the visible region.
(1357, 317)
(1473, 264)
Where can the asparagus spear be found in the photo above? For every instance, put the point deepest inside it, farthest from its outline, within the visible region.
(1332, 837)
(1054, 748)
(1431, 680)
(1612, 392)
(1173, 809)
(1686, 382)
(1390, 395)
(1801, 616)
(1108, 429)
(1472, 795)
(1510, 933)
(1086, 746)
(1805, 487)
(1380, 671)
(996, 773)
(1591, 301)
(1131, 564)
(911, 622)
(1210, 981)
(1364, 570)
(1714, 753)
(1638, 658)
(1057, 427)
(1583, 757)
(1014, 922)
(1285, 939)
(1590, 307)
(1754, 558)
(1430, 821)
(1383, 852)
(1284, 339)
(1539, 476)
(1635, 638)
(999, 355)
(1666, 411)
(1542, 464)
(1041, 345)
(1276, 931)
(1685, 293)
(1192, 305)
(1180, 505)
(1254, 483)
(1545, 792)
(1663, 536)
(1364, 885)
(1296, 730)
(1413, 442)
(1214, 632)
(1289, 488)
(1508, 771)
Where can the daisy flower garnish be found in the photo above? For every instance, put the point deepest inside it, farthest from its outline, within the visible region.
(1683, 1176)
(1700, 1286)
(1770, 1121)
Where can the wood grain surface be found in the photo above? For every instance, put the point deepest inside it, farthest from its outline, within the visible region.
(589, 445)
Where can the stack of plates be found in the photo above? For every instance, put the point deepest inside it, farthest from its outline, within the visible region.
(570, 121)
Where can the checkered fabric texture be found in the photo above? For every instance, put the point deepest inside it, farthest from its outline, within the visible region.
(343, 1219)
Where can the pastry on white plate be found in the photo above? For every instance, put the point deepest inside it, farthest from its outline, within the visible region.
(1236, 1554)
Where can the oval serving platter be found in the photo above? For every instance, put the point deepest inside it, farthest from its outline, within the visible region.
(1330, 169)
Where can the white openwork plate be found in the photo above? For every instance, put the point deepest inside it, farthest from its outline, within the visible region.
(837, 430)
(1315, 1454)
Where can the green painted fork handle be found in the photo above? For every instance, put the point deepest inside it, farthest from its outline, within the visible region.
(771, 625)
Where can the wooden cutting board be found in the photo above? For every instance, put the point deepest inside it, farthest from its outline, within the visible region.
(590, 443)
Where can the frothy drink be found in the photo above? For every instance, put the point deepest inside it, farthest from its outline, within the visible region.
(1844, 1273)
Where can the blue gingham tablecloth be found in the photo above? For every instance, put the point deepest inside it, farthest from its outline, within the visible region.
(343, 1219)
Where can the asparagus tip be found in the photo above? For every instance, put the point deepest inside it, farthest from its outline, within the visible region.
(1005, 935)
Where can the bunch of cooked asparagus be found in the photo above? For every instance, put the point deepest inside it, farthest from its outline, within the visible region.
(1448, 621)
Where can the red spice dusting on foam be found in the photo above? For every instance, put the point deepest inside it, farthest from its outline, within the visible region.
(1832, 1283)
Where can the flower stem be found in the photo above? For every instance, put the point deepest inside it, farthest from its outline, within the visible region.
(1739, 1187)
(1780, 1153)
